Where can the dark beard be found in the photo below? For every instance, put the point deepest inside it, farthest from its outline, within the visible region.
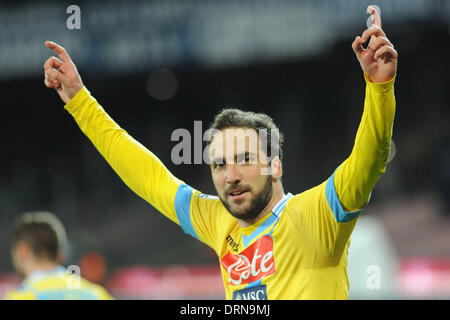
(258, 203)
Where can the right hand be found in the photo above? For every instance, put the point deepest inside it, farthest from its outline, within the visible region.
(62, 74)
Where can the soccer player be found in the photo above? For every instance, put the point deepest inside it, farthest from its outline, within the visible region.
(38, 245)
(270, 244)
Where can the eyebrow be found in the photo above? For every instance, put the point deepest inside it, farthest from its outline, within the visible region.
(222, 160)
(218, 160)
(246, 153)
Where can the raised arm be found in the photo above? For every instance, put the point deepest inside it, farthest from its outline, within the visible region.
(140, 169)
(356, 176)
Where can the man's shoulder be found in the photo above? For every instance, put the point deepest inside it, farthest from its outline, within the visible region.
(211, 207)
(308, 194)
(99, 291)
(19, 294)
(207, 196)
(60, 285)
(207, 201)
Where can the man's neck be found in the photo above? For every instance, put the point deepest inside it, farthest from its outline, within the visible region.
(41, 266)
(278, 194)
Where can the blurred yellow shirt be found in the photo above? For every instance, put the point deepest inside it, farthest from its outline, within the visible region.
(299, 250)
(57, 284)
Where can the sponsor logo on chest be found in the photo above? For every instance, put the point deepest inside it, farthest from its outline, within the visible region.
(252, 264)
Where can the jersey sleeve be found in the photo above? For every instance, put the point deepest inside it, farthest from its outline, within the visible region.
(200, 215)
(138, 168)
(317, 219)
(328, 213)
(356, 177)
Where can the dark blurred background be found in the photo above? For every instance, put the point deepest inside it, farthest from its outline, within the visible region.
(156, 66)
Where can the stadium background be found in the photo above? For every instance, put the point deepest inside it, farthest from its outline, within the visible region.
(159, 65)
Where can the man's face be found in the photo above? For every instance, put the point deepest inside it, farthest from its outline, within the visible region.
(239, 172)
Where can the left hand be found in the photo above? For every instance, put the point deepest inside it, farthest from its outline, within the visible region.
(62, 74)
(379, 60)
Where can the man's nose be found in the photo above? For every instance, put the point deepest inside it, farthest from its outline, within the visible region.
(233, 174)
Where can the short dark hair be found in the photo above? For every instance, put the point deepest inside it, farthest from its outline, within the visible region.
(231, 117)
(43, 232)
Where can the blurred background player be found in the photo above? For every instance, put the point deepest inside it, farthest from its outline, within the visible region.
(39, 244)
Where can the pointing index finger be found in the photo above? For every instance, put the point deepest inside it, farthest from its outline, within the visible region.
(59, 50)
(376, 19)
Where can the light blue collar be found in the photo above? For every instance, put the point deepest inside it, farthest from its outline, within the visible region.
(272, 220)
(39, 274)
(278, 208)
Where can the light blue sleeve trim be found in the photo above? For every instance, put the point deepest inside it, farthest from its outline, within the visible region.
(339, 213)
(65, 294)
(182, 208)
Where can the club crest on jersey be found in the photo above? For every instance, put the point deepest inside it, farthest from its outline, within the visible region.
(252, 264)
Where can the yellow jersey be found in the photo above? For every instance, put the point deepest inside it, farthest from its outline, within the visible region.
(299, 250)
(57, 284)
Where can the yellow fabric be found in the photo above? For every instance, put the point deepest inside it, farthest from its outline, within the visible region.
(57, 285)
(139, 168)
(357, 176)
(309, 241)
